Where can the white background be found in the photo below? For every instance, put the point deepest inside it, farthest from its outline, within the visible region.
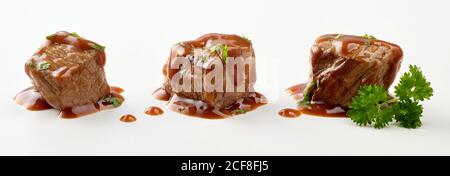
(138, 36)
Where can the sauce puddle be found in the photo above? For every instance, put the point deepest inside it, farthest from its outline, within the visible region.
(32, 100)
(161, 94)
(316, 108)
(198, 108)
(290, 113)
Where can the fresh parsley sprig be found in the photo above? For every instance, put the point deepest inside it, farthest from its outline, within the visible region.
(374, 106)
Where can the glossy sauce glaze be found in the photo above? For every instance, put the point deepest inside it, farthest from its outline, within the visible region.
(201, 53)
(290, 113)
(128, 118)
(78, 42)
(32, 100)
(161, 94)
(154, 111)
(67, 38)
(357, 47)
(317, 108)
(198, 108)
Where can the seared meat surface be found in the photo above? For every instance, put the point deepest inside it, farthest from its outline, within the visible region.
(201, 54)
(68, 71)
(342, 63)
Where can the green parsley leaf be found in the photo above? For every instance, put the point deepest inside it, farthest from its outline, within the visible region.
(116, 102)
(369, 107)
(222, 51)
(50, 37)
(413, 85)
(30, 64)
(307, 93)
(239, 111)
(373, 106)
(305, 102)
(369, 39)
(408, 114)
(98, 47)
(74, 34)
(43, 66)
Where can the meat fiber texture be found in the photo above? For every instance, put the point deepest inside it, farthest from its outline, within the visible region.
(67, 72)
(340, 64)
(237, 47)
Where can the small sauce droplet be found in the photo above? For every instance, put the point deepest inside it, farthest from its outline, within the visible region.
(32, 100)
(289, 113)
(128, 118)
(154, 111)
(117, 90)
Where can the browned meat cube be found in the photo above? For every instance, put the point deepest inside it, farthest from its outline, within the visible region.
(342, 63)
(68, 71)
(199, 54)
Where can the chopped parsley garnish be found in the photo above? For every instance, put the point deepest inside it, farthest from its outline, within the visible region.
(307, 93)
(369, 39)
(373, 106)
(116, 102)
(74, 34)
(50, 37)
(238, 111)
(222, 51)
(98, 47)
(30, 64)
(44, 66)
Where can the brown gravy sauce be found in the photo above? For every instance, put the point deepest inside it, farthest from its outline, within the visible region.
(237, 47)
(64, 37)
(154, 111)
(128, 118)
(290, 113)
(198, 108)
(317, 108)
(32, 100)
(160, 94)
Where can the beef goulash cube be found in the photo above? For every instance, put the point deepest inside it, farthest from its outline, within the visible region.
(342, 63)
(68, 71)
(204, 50)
